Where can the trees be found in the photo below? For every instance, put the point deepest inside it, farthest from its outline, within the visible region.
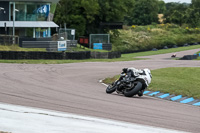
(76, 14)
(161, 6)
(196, 3)
(193, 14)
(86, 15)
(193, 18)
(145, 12)
(176, 13)
(109, 11)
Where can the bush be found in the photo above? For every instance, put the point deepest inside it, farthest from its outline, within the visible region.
(153, 36)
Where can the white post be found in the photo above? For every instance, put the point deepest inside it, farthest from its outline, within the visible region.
(34, 32)
(13, 22)
(49, 32)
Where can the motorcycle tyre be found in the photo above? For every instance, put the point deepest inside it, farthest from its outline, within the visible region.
(110, 90)
(134, 90)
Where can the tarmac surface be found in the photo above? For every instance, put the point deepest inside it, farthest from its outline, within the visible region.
(75, 88)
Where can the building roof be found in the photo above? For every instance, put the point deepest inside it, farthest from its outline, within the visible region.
(28, 24)
(53, 1)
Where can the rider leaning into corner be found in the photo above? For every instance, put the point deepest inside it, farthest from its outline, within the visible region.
(132, 82)
(133, 72)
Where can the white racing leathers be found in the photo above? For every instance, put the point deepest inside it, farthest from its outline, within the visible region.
(144, 74)
(132, 82)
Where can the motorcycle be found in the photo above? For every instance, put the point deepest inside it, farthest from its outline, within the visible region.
(131, 82)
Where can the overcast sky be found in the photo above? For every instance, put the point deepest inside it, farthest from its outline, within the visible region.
(181, 1)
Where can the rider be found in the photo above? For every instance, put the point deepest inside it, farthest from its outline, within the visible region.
(133, 72)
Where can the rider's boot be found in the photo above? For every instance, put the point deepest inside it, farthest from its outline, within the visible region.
(140, 93)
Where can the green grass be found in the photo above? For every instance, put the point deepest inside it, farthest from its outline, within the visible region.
(17, 48)
(124, 57)
(178, 81)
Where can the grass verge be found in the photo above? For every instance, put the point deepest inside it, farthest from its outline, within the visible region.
(16, 47)
(178, 81)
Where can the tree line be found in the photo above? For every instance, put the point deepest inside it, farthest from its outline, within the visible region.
(86, 15)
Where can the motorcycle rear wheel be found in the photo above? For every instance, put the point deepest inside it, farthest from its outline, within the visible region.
(111, 88)
(133, 91)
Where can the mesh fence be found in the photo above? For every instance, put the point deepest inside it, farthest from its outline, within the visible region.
(8, 40)
(99, 38)
(67, 34)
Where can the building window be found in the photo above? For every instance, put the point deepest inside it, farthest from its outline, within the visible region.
(28, 11)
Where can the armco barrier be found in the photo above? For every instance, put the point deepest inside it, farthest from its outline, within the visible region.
(16, 55)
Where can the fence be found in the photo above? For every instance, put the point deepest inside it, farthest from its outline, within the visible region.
(99, 38)
(51, 46)
(67, 34)
(8, 40)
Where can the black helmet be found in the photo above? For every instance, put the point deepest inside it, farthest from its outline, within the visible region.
(125, 70)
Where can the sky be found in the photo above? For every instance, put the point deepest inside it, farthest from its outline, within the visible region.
(181, 1)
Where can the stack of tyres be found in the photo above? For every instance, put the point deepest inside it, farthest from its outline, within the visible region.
(19, 55)
(112, 55)
(81, 55)
(34, 55)
(11, 54)
(189, 57)
(73, 55)
(41, 55)
(66, 55)
(6, 55)
(45, 55)
(86, 55)
(0, 54)
(107, 46)
(16, 55)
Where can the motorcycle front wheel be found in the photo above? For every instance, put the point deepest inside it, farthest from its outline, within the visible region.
(133, 91)
(111, 88)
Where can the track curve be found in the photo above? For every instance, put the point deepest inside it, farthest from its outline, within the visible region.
(75, 88)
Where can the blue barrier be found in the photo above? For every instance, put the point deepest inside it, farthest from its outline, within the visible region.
(176, 97)
(145, 92)
(197, 104)
(187, 100)
(154, 93)
(97, 46)
(163, 96)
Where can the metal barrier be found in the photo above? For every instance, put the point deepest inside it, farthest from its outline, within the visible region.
(51, 46)
(8, 40)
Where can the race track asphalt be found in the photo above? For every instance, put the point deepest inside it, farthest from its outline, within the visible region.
(75, 88)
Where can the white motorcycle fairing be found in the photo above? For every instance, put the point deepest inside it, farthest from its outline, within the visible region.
(144, 74)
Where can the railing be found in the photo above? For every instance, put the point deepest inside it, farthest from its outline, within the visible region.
(8, 40)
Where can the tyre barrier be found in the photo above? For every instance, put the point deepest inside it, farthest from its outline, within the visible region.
(189, 57)
(170, 97)
(17, 55)
(105, 55)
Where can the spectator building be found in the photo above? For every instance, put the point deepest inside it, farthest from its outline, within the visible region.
(27, 18)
